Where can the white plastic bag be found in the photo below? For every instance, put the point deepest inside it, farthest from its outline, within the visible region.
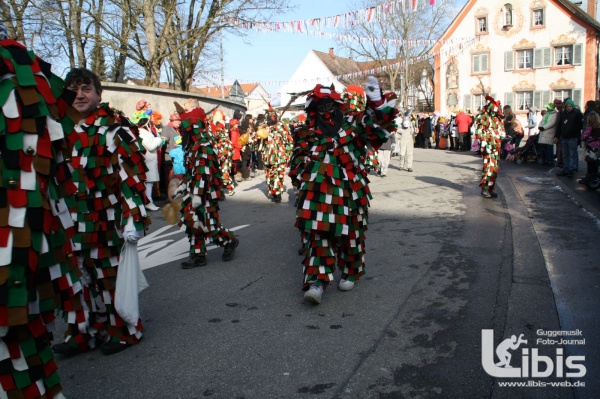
(130, 282)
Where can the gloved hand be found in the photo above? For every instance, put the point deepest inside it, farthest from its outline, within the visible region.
(178, 193)
(132, 236)
(372, 89)
(196, 202)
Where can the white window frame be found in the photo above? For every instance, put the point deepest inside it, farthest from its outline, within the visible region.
(538, 22)
(523, 99)
(480, 55)
(524, 59)
(562, 94)
(563, 55)
(478, 102)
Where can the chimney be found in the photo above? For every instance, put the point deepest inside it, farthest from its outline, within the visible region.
(331, 51)
(591, 8)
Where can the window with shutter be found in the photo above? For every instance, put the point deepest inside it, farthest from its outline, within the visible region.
(545, 98)
(467, 102)
(538, 61)
(577, 53)
(480, 63)
(508, 99)
(509, 61)
(476, 67)
(547, 56)
(537, 99)
(577, 97)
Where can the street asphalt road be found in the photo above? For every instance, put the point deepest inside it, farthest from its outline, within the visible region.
(442, 264)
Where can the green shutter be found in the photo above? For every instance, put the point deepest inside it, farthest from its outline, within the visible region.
(537, 99)
(476, 63)
(467, 102)
(546, 98)
(577, 53)
(577, 97)
(509, 98)
(509, 61)
(547, 57)
(538, 60)
(484, 63)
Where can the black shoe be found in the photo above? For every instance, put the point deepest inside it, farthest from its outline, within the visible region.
(65, 349)
(195, 262)
(409, 169)
(486, 194)
(301, 251)
(277, 198)
(562, 173)
(493, 194)
(230, 250)
(110, 348)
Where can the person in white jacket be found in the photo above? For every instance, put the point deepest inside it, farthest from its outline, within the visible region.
(152, 143)
(406, 132)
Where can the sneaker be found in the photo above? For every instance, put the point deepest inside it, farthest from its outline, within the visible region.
(230, 250)
(230, 192)
(314, 294)
(409, 169)
(65, 349)
(195, 262)
(486, 194)
(277, 198)
(152, 207)
(110, 348)
(238, 177)
(252, 175)
(345, 285)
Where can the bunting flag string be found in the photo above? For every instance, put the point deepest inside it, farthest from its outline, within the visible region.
(345, 20)
(452, 47)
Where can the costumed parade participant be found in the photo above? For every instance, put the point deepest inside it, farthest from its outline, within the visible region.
(328, 168)
(201, 191)
(38, 272)
(489, 129)
(407, 132)
(106, 196)
(276, 153)
(224, 150)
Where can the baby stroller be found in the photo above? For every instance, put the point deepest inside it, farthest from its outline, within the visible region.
(532, 151)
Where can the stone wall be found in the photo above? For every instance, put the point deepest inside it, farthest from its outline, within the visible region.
(125, 96)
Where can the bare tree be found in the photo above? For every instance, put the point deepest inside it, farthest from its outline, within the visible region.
(404, 38)
(136, 35)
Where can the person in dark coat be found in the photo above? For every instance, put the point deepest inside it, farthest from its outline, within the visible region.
(569, 132)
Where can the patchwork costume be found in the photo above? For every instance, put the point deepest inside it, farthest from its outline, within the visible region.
(328, 167)
(38, 271)
(276, 154)
(105, 193)
(223, 147)
(201, 188)
(489, 129)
